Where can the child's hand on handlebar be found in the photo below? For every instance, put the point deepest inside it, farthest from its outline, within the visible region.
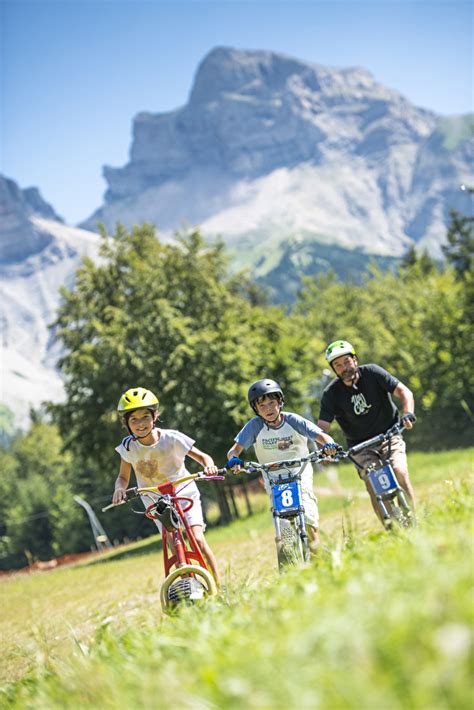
(234, 464)
(119, 495)
(211, 470)
(330, 448)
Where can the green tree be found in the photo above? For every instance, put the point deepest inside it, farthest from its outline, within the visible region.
(39, 516)
(169, 318)
(459, 251)
(413, 324)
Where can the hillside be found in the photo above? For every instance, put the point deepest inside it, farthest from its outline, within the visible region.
(371, 603)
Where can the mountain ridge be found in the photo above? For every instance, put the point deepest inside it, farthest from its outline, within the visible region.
(369, 169)
(298, 168)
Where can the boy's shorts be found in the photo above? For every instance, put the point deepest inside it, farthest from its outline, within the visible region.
(194, 515)
(398, 457)
(310, 502)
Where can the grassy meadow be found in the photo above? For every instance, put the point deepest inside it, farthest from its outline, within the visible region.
(377, 620)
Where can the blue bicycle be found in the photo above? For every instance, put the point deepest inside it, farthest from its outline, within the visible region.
(288, 512)
(380, 478)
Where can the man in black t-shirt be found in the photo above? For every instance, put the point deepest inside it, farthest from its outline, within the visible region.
(359, 399)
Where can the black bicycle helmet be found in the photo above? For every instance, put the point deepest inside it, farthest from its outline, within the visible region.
(262, 387)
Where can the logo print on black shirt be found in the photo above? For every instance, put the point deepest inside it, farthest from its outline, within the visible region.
(359, 404)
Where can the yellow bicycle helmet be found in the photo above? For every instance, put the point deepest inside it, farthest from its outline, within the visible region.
(137, 398)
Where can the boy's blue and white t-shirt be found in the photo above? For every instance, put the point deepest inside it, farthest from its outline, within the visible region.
(160, 462)
(288, 441)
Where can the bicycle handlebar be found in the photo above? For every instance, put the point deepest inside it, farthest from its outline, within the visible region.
(315, 457)
(136, 491)
(318, 457)
(393, 431)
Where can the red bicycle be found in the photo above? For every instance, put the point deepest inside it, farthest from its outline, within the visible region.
(187, 576)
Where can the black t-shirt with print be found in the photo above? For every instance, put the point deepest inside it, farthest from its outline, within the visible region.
(363, 410)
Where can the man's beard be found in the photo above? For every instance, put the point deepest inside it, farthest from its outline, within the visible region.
(348, 373)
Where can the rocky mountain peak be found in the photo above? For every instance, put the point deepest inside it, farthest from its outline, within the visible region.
(227, 70)
(19, 237)
(269, 147)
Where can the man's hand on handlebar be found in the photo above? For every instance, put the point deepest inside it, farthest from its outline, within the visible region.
(408, 419)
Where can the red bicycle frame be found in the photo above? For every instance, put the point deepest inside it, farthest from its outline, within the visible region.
(175, 551)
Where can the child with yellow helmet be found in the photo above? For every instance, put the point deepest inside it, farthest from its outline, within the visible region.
(157, 456)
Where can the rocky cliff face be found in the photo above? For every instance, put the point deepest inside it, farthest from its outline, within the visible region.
(269, 147)
(297, 167)
(19, 237)
(38, 256)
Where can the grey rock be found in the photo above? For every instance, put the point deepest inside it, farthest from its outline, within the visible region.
(345, 144)
(37, 257)
(19, 237)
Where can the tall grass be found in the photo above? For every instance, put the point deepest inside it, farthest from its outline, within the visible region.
(378, 621)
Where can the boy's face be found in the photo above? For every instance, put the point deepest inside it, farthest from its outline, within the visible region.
(268, 407)
(141, 422)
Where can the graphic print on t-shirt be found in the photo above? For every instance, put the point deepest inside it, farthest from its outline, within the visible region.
(359, 404)
(281, 443)
(149, 470)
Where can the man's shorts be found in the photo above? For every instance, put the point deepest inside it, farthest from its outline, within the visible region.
(398, 457)
(194, 515)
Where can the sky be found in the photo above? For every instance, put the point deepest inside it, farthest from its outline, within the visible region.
(74, 73)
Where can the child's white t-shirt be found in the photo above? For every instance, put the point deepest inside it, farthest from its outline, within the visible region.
(287, 441)
(159, 463)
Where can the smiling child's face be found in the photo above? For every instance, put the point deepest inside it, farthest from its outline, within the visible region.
(141, 422)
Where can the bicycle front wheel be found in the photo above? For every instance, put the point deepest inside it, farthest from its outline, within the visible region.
(188, 583)
(293, 547)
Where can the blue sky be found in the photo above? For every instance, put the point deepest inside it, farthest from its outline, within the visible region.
(75, 72)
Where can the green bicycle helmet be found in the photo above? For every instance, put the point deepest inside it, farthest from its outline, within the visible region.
(338, 348)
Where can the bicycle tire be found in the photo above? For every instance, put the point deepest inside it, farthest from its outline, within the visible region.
(399, 512)
(291, 550)
(408, 519)
(203, 575)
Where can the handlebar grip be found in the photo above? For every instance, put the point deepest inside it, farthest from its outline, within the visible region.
(112, 505)
(130, 493)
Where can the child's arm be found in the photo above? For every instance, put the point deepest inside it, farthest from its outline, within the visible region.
(235, 451)
(206, 461)
(121, 483)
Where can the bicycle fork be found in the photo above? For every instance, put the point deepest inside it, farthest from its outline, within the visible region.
(301, 525)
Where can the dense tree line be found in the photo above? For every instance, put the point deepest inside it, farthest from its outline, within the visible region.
(170, 317)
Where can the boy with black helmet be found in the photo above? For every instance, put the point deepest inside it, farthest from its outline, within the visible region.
(158, 456)
(277, 435)
(359, 399)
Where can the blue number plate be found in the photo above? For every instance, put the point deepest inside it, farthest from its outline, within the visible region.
(286, 496)
(383, 480)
